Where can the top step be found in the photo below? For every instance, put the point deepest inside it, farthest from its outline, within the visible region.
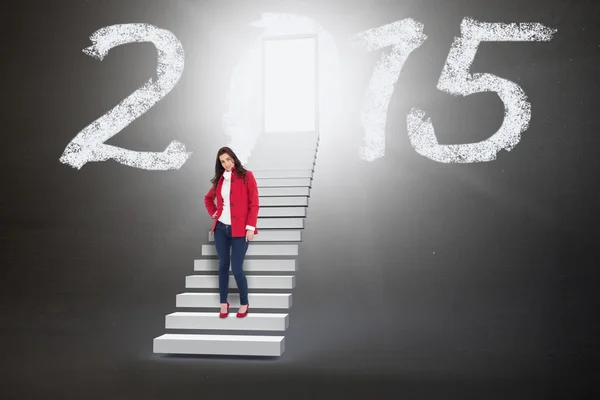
(289, 135)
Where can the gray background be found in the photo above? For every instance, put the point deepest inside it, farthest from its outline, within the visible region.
(415, 277)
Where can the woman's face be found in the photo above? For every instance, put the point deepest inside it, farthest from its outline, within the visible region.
(226, 161)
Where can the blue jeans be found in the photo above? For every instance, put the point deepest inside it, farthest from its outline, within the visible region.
(231, 250)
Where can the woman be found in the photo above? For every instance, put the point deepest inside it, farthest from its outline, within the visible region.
(235, 217)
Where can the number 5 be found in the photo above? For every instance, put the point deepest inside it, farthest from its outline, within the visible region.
(456, 79)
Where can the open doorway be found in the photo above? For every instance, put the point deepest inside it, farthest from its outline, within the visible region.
(290, 84)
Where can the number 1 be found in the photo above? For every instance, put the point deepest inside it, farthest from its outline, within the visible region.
(404, 36)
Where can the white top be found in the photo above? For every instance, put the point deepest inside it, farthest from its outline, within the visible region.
(225, 190)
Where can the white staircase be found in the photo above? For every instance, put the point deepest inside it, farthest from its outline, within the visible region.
(283, 165)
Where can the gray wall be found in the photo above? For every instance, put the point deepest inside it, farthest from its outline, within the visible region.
(406, 264)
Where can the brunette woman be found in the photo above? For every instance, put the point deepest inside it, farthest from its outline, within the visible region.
(235, 216)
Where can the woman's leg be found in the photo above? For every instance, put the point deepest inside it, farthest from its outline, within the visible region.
(223, 246)
(239, 246)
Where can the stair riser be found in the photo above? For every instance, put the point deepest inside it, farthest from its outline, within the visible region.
(232, 323)
(279, 223)
(277, 174)
(311, 160)
(299, 201)
(262, 166)
(285, 146)
(290, 154)
(288, 182)
(284, 191)
(276, 212)
(250, 265)
(283, 154)
(258, 250)
(257, 300)
(254, 282)
(271, 236)
(243, 347)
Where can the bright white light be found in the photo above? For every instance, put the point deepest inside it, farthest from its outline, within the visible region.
(290, 85)
(243, 120)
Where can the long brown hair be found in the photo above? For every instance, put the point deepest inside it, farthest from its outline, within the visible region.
(239, 168)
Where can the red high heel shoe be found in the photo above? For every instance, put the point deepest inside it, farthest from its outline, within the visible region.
(242, 315)
(224, 315)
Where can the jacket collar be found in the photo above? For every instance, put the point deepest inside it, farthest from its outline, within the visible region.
(233, 174)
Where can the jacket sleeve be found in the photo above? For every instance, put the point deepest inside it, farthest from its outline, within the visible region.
(209, 202)
(253, 205)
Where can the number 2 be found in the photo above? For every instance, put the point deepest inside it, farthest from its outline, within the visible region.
(88, 145)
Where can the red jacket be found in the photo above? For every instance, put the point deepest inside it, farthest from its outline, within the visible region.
(243, 203)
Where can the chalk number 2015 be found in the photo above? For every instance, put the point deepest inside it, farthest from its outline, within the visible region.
(402, 36)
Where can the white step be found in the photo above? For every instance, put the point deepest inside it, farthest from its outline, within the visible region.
(301, 201)
(254, 282)
(289, 151)
(283, 159)
(211, 320)
(283, 146)
(266, 165)
(284, 191)
(275, 212)
(279, 223)
(288, 140)
(258, 249)
(281, 163)
(256, 300)
(288, 135)
(238, 345)
(271, 236)
(283, 182)
(303, 151)
(250, 265)
(301, 173)
(280, 158)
